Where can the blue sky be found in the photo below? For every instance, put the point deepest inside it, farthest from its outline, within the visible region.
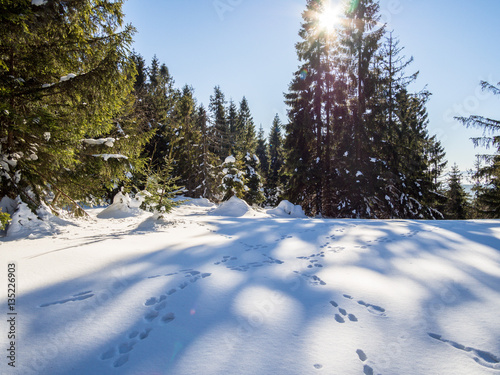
(248, 48)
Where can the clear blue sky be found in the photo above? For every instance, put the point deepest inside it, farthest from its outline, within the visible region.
(248, 48)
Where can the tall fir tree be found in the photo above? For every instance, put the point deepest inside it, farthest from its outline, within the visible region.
(262, 153)
(66, 99)
(220, 128)
(273, 186)
(247, 141)
(488, 195)
(456, 206)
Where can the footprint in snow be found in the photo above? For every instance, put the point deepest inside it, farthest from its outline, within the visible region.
(481, 357)
(121, 361)
(374, 309)
(74, 298)
(367, 370)
(341, 318)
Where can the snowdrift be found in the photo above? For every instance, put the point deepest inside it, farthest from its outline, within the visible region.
(287, 209)
(234, 207)
(122, 207)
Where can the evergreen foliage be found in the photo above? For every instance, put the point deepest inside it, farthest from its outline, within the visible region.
(356, 141)
(254, 188)
(160, 189)
(262, 153)
(66, 103)
(456, 205)
(4, 219)
(487, 195)
(221, 142)
(276, 160)
(233, 180)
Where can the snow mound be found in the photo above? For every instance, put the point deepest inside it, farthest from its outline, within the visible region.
(286, 208)
(123, 206)
(27, 224)
(234, 207)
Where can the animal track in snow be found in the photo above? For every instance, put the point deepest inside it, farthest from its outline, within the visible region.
(156, 305)
(313, 279)
(374, 309)
(481, 357)
(228, 261)
(367, 370)
(76, 297)
(343, 314)
(314, 259)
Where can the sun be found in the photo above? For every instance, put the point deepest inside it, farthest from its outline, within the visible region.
(329, 18)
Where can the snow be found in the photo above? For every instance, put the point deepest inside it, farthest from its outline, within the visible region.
(204, 294)
(106, 157)
(122, 207)
(110, 142)
(234, 207)
(70, 75)
(230, 159)
(287, 209)
(38, 2)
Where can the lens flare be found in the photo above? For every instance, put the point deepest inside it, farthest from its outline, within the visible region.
(303, 74)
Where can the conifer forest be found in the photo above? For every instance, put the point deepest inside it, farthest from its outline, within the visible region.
(83, 116)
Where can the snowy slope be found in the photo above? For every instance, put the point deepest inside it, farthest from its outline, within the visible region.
(255, 294)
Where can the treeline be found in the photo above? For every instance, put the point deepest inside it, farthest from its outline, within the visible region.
(357, 141)
(212, 152)
(83, 117)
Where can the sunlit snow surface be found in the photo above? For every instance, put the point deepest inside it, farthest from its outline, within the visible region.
(206, 294)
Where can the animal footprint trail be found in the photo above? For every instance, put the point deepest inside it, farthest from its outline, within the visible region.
(76, 297)
(156, 306)
(481, 357)
(343, 314)
(229, 261)
(367, 370)
(374, 309)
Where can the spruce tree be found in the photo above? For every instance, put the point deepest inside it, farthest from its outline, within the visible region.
(209, 172)
(233, 180)
(456, 205)
(304, 138)
(220, 128)
(65, 77)
(232, 124)
(276, 160)
(262, 153)
(246, 138)
(488, 195)
(254, 188)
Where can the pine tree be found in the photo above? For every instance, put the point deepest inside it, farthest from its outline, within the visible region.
(304, 133)
(65, 77)
(208, 167)
(488, 196)
(262, 153)
(233, 180)
(220, 128)
(187, 144)
(232, 123)
(254, 188)
(456, 205)
(276, 160)
(246, 138)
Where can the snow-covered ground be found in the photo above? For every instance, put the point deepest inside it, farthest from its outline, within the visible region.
(253, 292)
